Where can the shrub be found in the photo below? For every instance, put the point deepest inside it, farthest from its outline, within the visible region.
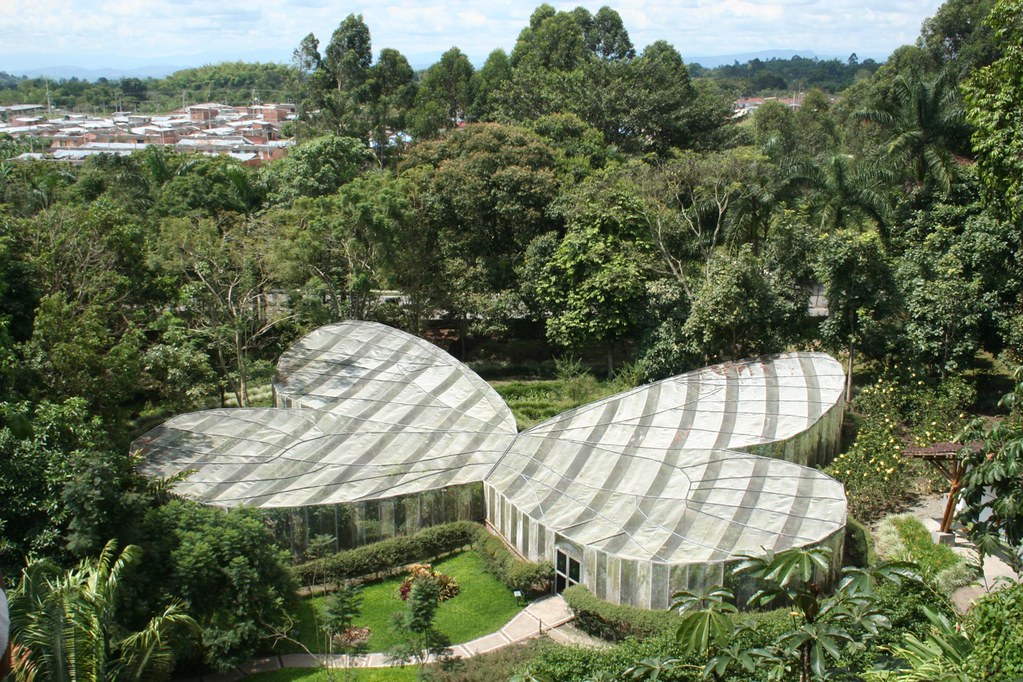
(994, 623)
(389, 554)
(906, 538)
(226, 566)
(615, 622)
(526, 576)
(859, 545)
(447, 587)
(900, 407)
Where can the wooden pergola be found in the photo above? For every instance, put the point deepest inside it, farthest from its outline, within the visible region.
(945, 458)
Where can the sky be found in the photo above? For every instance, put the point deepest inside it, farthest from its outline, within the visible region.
(131, 33)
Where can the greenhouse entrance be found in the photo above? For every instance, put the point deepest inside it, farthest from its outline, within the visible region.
(566, 572)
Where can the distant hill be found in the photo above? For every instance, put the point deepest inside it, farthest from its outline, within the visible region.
(418, 61)
(763, 55)
(61, 72)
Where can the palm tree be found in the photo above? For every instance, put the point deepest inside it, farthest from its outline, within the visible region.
(844, 191)
(925, 122)
(64, 624)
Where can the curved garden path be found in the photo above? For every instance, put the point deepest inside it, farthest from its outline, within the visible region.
(540, 617)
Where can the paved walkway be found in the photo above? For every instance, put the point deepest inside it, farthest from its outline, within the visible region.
(538, 618)
(930, 510)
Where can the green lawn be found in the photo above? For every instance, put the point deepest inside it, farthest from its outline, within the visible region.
(407, 674)
(482, 606)
(535, 401)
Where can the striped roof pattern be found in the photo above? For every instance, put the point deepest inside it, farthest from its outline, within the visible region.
(372, 412)
(655, 473)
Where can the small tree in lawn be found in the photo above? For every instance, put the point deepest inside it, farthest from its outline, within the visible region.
(422, 590)
(338, 625)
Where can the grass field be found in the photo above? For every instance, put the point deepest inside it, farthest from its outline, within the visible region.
(534, 401)
(316, 675)
(482, 606)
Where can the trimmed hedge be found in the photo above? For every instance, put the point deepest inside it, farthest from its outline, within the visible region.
(616, 622)
(499, 561)
(389, 554)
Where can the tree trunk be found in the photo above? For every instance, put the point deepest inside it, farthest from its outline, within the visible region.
(610, 361)
(239, 349)
(849, 376)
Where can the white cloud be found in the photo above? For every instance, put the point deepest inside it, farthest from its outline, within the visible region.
(113, 32)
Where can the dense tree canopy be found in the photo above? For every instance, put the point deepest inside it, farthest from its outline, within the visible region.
(596, 198)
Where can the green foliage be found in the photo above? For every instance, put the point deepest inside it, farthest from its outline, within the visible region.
(516, 574)
(576, 663)
(994, 97)
(858, 548)
(534, 401)
(743, 310)
(941, 656)
(905, 538)
(824, 626)
(227, 569)
(991, 494)
(924, 123)
(860, 288)
(993, 624)
(444, 89)
(316, 168)
(707, 625)
(959, 32)
(615, 622)
(68, 626)
(63, 488)
(414, 626)
(387, 554)
(899, 407)
(594, 283)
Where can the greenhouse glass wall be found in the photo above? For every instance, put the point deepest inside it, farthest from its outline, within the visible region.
(377, 432)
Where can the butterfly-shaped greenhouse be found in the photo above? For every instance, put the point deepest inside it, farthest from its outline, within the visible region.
(661, 488)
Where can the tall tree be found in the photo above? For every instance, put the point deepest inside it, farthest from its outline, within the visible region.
(306, 56)
(692, 202)
(843, 191)
(391, 92)
(552, 41)
(316, 168)
(349, 54)
(609, 38)
(924, 124)
(225, 288)
(995, 97)
(743, 309)
(339, 82)
(225, 566)
(959, 32)
(594, 283)
(495, 75)
(444, 94)
(862, 294)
